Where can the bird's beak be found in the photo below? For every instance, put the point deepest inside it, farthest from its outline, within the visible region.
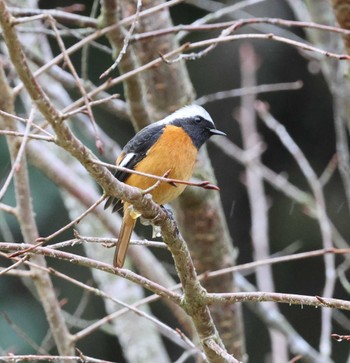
(217, 132)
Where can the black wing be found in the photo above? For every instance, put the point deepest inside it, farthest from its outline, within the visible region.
(134, 151)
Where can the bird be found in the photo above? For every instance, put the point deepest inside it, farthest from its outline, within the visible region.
(168, 147)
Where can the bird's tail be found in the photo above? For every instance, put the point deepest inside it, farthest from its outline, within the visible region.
(126, 229)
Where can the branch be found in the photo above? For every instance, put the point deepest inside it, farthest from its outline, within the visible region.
(61, 16)
(297, 344)
(29, 136)
(168, 57)
(211, 43)
(59, 58)
(235, 25)
(82, 90)
(87, 262)
(256, 193)
(321, 215)
(173, 335)
(239, 92)
(125, 41)
(249, 266)
(203, 184)
(17, 162)
(192, 301)
(51, 358)
(291, 299)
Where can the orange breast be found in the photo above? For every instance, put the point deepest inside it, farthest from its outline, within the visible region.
(173, 151)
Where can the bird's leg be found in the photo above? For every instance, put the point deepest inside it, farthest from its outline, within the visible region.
(133, 212)
(156, 232)
(156, 229)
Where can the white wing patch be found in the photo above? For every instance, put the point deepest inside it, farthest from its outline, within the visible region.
(128, 157)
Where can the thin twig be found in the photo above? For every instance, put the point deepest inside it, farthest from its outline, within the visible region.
(329, 170)
(321, 214)
(210, 44)
(156, 184)
(73, 222)
(91, 103)
(29, 136)
(250, 266)
(237, 24)
(216, 14)
(13, 266)
(34, 125)
(106, 242)
(239, 92)
(204, 184)
(171, 333)
(256, 193)
(99, 33)
(86, 49)
(50, 358)
(67, 59)
(6, 208)
(59, 15)
(87, 262)
(126, 40)
(17, 162)
(22, 334)
(191, 46)
(41, 240)
(291, 299)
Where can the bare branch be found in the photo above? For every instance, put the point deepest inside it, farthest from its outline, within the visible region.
(294, 299)
(51, 358)
(203, 184)
(84, 261)
(17, 162)
(321, 214)
(61, 16)
(125, 42)
(239, 92)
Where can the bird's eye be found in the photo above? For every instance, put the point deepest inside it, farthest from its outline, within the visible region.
(197, 119)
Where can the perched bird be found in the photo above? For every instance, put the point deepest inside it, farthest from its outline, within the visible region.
(167, 146)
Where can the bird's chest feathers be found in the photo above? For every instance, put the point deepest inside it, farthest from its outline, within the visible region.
(174, 151)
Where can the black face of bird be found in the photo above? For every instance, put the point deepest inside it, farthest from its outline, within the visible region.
(198, 128)
(194, 119)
